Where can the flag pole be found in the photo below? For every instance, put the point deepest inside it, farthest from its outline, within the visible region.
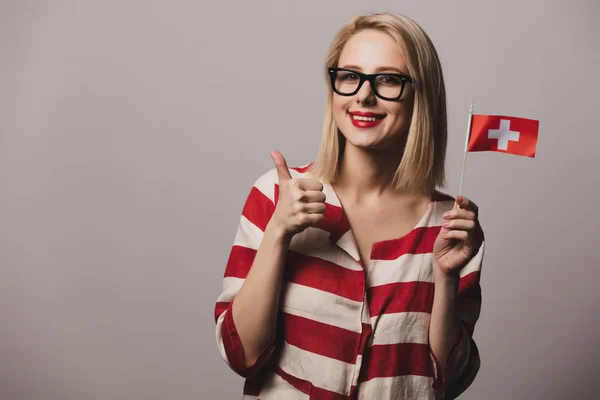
(462, 174)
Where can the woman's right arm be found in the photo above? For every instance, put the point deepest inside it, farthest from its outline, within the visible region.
(246, 324)
(257, 303)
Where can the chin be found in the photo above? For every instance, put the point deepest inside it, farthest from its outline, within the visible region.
(364, 139)
(365, 143)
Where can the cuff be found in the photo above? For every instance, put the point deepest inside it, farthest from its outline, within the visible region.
(440, 371)
(234, 350)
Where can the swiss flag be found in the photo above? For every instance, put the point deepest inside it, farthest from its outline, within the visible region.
(511, 135)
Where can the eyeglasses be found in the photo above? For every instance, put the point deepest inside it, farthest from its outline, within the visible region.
(347, 82)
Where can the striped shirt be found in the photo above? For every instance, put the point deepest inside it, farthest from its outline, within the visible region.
(345, 331)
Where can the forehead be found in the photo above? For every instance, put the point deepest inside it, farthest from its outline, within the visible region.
(371, 49)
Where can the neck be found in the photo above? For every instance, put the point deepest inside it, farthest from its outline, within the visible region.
(365, 174)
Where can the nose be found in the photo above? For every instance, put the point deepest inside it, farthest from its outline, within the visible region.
(365, 93)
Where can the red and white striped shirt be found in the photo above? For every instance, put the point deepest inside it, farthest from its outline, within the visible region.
(345, 331)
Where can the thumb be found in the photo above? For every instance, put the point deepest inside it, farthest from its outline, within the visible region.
(456, 202)
(281, 166)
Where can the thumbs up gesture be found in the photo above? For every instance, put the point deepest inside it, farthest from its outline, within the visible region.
(301, 202)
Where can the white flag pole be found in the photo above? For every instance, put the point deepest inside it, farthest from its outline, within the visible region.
(462, 174)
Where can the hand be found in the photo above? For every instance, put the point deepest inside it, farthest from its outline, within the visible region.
(301, 202)
(459, 239)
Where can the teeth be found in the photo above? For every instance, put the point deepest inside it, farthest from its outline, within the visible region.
(370, 119)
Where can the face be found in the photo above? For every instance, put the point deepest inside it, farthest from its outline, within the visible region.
(370, 52)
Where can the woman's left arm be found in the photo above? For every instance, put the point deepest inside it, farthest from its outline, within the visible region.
(458, 253)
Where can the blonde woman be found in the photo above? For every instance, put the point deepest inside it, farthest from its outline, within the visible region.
(353, 277)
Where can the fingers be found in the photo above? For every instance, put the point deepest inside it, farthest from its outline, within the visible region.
(282, 169)
(304, 215)
(459, 213)
(457, 235)
(309, 202)
(461, 224)
(284, 174)
(309, 184)
(301, 201)
(462, 221)
(311, 219)
(465, 203)
(311, 196)
(314, 208)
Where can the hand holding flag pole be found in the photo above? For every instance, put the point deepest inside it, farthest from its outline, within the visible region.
(461, 235)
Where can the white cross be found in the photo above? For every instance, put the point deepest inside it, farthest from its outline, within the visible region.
(504, 134)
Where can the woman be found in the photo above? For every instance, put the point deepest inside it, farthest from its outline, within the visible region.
(353, 277)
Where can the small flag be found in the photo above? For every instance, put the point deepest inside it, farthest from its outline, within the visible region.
(511, 135)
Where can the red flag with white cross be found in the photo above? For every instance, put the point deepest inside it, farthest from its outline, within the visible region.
(503, 134)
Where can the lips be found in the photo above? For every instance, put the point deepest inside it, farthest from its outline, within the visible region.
(363, 119)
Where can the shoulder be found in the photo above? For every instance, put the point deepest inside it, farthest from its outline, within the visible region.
(442, 202)
(269, 180)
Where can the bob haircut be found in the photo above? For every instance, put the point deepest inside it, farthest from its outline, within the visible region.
(422, 166)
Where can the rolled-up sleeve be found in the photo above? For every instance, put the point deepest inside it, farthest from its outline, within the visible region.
(463, 359)
(256, 213)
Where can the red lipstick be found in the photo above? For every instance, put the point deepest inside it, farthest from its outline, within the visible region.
(361, 123)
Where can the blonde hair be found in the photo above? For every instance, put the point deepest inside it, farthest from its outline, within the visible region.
(422, 165)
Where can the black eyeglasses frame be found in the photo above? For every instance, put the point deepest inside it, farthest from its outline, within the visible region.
(371, 78)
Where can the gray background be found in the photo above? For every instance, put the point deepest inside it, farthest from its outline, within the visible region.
(131, 133)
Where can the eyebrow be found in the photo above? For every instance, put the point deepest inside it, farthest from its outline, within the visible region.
(378, 69)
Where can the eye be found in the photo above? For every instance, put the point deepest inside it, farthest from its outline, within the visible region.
(348, 76)
(389, 80)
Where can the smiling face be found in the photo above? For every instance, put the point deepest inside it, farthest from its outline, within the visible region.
(365, 120)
